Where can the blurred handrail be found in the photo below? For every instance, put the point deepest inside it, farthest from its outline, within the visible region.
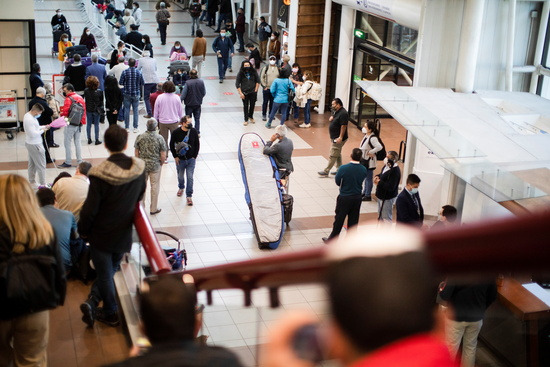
(155, 255)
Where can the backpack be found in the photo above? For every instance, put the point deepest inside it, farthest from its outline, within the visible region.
(267, 29)
(76, 112)
(381, 154)
(195, 10)
(316, 91)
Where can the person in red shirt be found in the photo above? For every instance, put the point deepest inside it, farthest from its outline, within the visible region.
(153, 98)
(72, 132)
(382, 308)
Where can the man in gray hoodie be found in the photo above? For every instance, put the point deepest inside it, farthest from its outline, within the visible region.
(116, 186)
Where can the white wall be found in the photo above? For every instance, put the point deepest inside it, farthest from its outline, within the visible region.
(19, 9)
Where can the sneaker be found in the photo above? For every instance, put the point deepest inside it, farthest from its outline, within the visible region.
(264, 118)
(189, 201)
(230, 70)
(109, 319)
(323, 173)
(88, 309)
(366, 198)
(155, 212)
(136, 130)
(221, 81)
(245, 123)
(98, 142)
(180, 192)
(127, 130)
(268, 125)
(65, 165)
(53, 146)
(251, 120)
(89, 141)
(334, 173)
(304, 125)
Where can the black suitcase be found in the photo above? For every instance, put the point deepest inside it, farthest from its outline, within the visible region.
(82, 50)
(288, 202)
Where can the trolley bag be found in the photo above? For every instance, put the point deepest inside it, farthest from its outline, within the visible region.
(262, 191)
(56, 38)
(288, 203)
(82, 50)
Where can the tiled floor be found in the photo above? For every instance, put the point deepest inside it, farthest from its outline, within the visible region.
(216, 229)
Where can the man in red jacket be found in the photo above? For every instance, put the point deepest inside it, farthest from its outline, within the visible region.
(72, 132)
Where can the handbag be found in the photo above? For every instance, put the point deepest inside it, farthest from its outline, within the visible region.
(291, 93)
(30, 283)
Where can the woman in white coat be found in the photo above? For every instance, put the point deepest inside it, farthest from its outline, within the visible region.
(369, 146)
(303, 97)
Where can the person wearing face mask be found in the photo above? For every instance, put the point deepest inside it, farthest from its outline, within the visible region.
(247, 84)
(199, 51)
(162, 18)
(297, 79)
(230, 32)
(62, 46)
(274, 47)
(447, 216)
(264, 32)
(370, 145)
(59, 22)
(269, 73)
(185, 145)
(147, 45)
(137, 13)
(223, 47)
(240, 28)
(338, 132)
(120, 51)
(177, 49)
(254, 56)
(305, 95)
(44, 119)
(387, 185)
(280, 89)
(33, 143)
(88, 39)
(408, 205)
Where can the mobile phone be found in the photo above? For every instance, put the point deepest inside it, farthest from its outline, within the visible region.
(307, 343)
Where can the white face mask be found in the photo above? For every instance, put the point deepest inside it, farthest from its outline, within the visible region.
(385, 160)
(177, 47)
(273, 38)
(294, 70)
(304, 78)
(364, 130)
(272, 62)
(59, 14)
(88, 33)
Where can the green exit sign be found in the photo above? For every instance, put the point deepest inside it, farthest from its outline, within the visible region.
(360, 34)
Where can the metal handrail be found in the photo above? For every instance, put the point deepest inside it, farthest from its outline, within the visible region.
(151, 245)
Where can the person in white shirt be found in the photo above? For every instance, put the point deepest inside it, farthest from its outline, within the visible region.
(118, 68)
(148, 67)
(33, 142)
(136, 13)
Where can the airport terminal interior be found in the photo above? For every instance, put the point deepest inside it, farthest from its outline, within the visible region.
(459, 88)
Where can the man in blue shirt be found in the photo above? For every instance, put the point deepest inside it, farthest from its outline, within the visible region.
(132, 81)
(350, 178)
(97, 70)
(223, 47)
(62, 221)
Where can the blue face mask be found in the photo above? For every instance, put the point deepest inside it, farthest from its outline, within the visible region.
(414, 190)
(37, 116)
(222, 34)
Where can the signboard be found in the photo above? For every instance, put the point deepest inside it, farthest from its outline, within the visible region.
(403, 12)
(282, 14)
(8, 106)
(360, 34)
(57, 81)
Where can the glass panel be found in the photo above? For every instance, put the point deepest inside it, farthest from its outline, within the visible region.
(402, 40)
(545, 91)
(14, 34)
(15, 60)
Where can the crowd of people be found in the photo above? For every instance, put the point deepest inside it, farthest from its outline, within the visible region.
(96, 205)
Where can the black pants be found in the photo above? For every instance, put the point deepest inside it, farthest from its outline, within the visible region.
(112, 117)
(346, 206)
(162, 31)
(249, 103)
(47, 152)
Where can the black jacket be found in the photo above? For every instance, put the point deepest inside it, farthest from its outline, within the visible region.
(94, 101)
(407, 211)
(469, 301)
(113, 99)
(35, 80)
(194, 143)
(255, 54)
(134, 38)
(46, 116)
(114, 58)
(106, 218)
(76, 76)
(247, 81)
(388, 186)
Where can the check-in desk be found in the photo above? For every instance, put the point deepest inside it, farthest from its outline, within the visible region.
(517, 327)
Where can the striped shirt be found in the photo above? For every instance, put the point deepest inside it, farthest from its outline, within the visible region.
(132, 81)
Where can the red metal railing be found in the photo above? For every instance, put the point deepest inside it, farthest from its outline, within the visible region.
(156, 256)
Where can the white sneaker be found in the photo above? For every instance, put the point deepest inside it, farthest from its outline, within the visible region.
(128, 130)
(305, 125)
(136, 130)
(245, 123)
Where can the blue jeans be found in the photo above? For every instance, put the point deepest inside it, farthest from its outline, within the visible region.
(148, 88)
(229, 62)
(284, 110)
(240, 36)
(92, 119)
(296, 110)
(307, 114)
(268, 99)
(134, 102)
(186, 167)
(106, 264)
(196, 112)
(222, 17)
(386, 210)
(222, 66)
(72, 133)
(204, 15)
(367, 189)
(194, 21)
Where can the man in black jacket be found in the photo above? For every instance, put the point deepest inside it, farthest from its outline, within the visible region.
(185, 145)
(192, 96)
(387, 186)
(76, 75)
(408, 205)
(44, 119)
(247, 84)
(134, 37)
(116, 186)
(35, 80)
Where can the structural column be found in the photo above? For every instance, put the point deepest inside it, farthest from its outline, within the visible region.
(345, 54)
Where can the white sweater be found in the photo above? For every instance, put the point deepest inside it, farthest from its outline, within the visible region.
(33, 131)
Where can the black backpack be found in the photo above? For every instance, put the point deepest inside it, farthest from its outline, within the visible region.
(381, 154)
(195, 10)
(76, 112)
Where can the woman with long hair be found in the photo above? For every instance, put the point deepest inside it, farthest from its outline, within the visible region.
(370, 145)
(113, 99)
(88, 39)
(63, 44)
(26, 235)
(297, 79)
(147, 46)
(303, 97)
(94, 107)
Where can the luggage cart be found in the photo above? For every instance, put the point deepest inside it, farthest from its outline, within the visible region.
(176, 256)
(9, 116)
